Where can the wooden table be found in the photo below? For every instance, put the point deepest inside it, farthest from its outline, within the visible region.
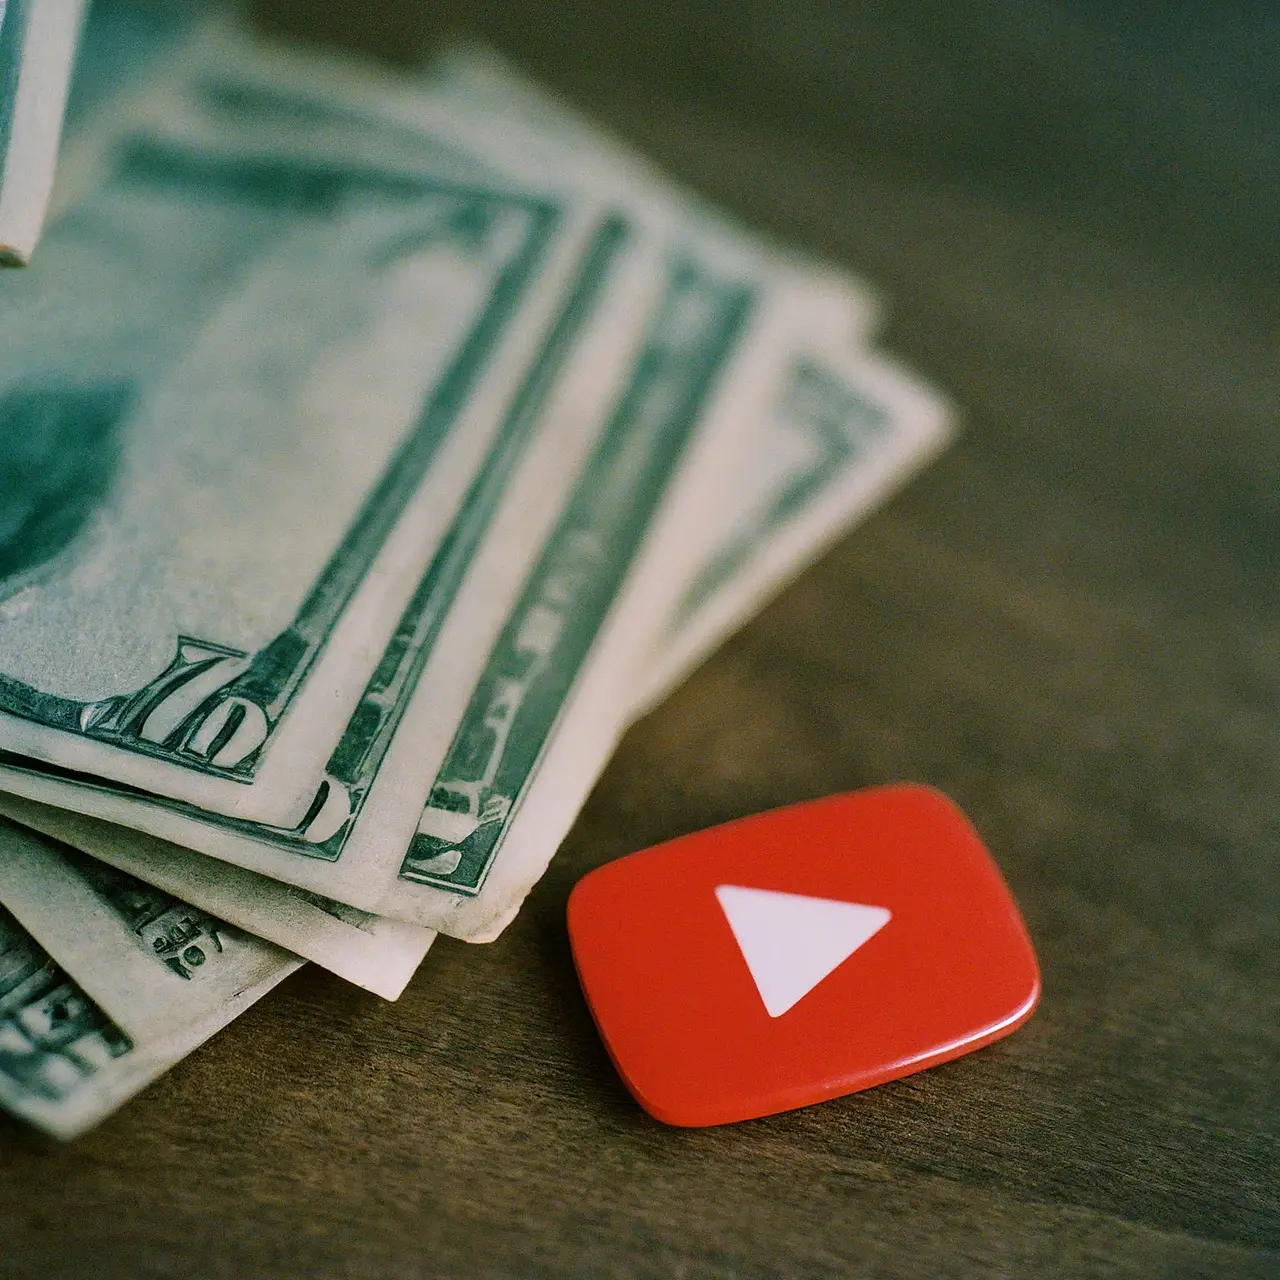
(1071, 624)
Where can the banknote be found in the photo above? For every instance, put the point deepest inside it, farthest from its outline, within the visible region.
(153, 963)
(540, 134)
(187, 498)
(371, 951)
(571, 406)
(564, 583)
(37, 51)
(64, 1062)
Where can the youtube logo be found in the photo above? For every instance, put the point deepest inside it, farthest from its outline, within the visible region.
(801, 954)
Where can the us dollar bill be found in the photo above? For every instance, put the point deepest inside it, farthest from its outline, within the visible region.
(202, 708)
(153, 962)
(37, 51)
(121, 983)
(371, 951)
(189, 500)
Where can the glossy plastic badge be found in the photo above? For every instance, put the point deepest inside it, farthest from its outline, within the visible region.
(799, 955)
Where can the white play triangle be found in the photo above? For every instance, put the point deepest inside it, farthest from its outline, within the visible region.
(791, 942)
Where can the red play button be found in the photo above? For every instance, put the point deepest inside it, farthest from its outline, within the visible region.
(801, 954)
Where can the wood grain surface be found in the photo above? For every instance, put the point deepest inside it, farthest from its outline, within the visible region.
(1071, 624)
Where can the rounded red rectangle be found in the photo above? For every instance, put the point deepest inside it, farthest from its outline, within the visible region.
(800, 954)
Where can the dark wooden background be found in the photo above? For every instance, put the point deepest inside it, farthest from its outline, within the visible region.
(1071, 624)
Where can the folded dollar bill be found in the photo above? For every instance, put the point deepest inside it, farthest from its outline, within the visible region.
(189, 434)
(374, 952)
(105, 982)
(152, 962)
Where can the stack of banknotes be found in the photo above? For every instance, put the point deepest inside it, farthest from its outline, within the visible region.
(375, 450)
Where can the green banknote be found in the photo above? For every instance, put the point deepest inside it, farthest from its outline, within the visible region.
(185, 494)
(371, 951)
(106, 982)
(543, 630)
(152, 962)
